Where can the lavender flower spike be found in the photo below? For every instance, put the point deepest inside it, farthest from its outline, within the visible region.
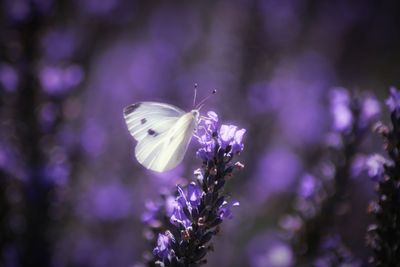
(201, 206)
(384, 235)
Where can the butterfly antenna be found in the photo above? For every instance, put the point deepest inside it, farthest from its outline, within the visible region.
(200, 105)
(195, 95)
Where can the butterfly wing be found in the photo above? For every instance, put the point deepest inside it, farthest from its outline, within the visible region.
(147, 117)
(165, 151)
(163, 133)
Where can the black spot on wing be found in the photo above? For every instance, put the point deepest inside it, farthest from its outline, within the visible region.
(129, 109)
(143, 121)
(152, 132)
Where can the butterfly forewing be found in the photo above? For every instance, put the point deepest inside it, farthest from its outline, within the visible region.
(150, 117)
(163, 133)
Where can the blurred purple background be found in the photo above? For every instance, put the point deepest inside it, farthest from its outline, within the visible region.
(71, 192)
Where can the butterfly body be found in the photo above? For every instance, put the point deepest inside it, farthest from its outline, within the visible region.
(163, 133)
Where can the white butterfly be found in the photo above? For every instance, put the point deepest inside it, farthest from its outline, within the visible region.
(163, 133)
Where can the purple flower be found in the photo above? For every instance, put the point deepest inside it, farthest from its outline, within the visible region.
(209, 137)
(370, 111)
(229, 135)
(150, 214)
(169, 205)
(335, 253)
(358, 165)
(212, 121)
(393, 102)
(164, 246)
(189, 201)
(268, 249)
(194, 195)
(225, 211)
(375, 166)
(208, 128)
(307, 186)
(56, 80)
(291, 223)
(179, 217)
(340, 109)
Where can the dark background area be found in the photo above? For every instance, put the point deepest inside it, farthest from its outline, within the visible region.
(71, 192)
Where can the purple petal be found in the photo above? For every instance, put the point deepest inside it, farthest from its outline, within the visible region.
(393, 102)
(213, 116)
(164, 244)
(194, 194)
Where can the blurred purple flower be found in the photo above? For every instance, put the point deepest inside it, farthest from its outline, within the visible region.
(164, 246)
(335, 253)
(358, 165)
(269, 250)
(291, 223)
(56, 80)
(276, 172)
(370, 111)
(375, 166)
(307, 186)
(150, 214)
(393, 102)
(8, 77)
(340, 109)
(58, 173)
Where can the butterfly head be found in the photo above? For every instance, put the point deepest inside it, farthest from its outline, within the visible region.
(195, 114)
